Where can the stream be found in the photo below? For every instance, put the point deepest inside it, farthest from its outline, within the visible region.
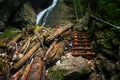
(42, 16)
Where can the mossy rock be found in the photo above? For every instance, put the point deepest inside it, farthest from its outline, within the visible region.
(24, 16)
(69, 68)
(63, 75)
(57, 75)
(9, 32)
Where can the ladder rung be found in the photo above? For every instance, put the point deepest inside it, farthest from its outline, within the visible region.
(80, 44)
(83, 54)
(81, 48)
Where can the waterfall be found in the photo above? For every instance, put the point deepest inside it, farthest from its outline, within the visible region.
(44, 14)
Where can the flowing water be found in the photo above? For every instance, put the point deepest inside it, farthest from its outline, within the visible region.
(44, 14)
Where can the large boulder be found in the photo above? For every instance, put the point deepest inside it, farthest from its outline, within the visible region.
(71, 68)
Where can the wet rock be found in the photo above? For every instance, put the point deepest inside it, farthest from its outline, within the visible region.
(70, 67)
(105, 66)
(18, 14)
(104, 63)
(7, 8)
(40, 4)
(25, 15)
(9, 32)
(60, 15)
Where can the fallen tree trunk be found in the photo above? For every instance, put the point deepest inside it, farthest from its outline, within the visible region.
(26, 56)
(58, 32)
(27, 70)
(15, 39)
(48, 51)
(37, 71)
(56, 52)
(17, 75)
(37, 67)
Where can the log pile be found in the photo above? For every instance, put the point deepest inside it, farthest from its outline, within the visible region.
(28, 54)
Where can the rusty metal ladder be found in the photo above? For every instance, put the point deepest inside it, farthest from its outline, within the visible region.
(81, 44)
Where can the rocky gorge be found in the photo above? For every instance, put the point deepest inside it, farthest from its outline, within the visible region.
(16, 15)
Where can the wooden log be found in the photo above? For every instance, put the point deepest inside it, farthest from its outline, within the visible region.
(26, 56)
(37, 67)
(56, 52)
(27, 70)
(15, 39)
(58, 32)
(17, 74)
(37, 74)
(48, 51)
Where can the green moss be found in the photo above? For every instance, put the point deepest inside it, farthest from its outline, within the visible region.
(72, 76)
(2, 44)
(76, 75)
(9, 32)
(85, 71)
(57, 75)
(76, 28)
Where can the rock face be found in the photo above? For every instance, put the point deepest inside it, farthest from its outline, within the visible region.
(24, 15)
(105, 40)
(70, 67)
(107, 68)
(19, 13)
(60, 15)
(40, 4)
(7, 7)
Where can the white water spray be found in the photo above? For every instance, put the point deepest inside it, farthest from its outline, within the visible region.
(45, 13)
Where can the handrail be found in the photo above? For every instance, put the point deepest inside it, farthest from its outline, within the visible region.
(118, 27)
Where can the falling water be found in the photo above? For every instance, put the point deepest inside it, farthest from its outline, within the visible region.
(45, 13)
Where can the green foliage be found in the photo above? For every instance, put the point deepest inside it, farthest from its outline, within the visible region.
(101, 2)
(57, 75)
(72, 76)
(79, 8)
(9, 32)
(109, 10)
(2, 44)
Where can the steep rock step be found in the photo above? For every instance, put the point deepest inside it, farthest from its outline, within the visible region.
(81, 45)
